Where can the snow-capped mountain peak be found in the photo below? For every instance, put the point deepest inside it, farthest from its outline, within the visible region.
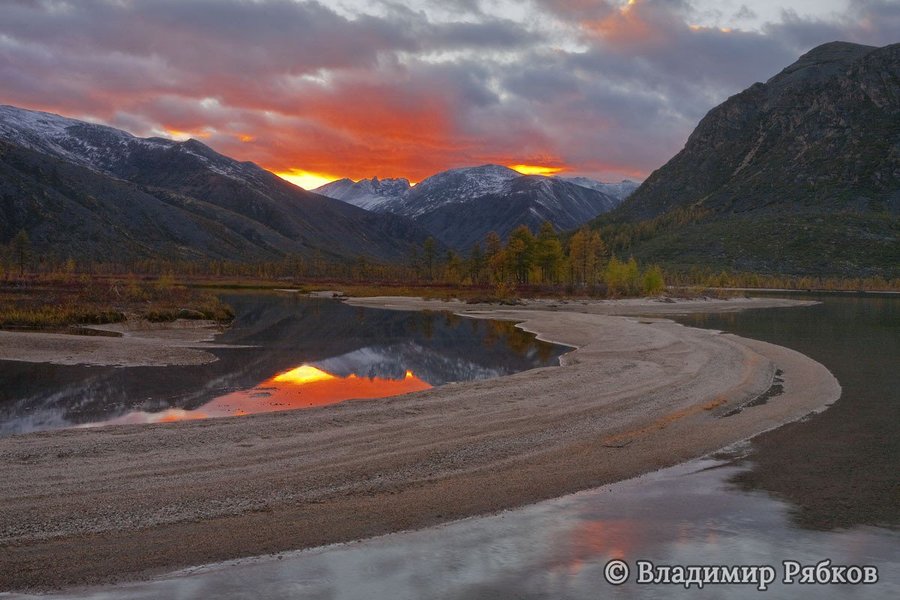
(102, 148)
(471, 182)
(369, 194)
(459, 206)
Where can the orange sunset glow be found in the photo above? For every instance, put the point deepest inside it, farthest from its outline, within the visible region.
(304, 386)
(536, 169)
(178, 134)
(306, 179)
(594, 88)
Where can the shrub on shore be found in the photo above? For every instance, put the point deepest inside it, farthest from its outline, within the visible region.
(58, 302)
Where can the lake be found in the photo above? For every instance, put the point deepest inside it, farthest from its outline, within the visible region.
(288, 352)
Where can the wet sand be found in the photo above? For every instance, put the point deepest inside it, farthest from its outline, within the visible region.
(124, 502)
(134, 344)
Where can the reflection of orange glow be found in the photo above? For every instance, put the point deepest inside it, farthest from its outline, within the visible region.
(302, 387)
(303, 374)
(535, 169)
(600, 539)
(307, 386)
(306, 179)
(605, 538)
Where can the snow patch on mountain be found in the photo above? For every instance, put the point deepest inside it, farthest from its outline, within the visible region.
(369, 194)
(101, 148)
(620, 190)
(459, 206)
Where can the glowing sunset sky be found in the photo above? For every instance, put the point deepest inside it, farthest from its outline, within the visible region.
(354, 89)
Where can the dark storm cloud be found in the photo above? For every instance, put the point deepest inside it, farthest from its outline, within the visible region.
(400, 91)
(872, 22)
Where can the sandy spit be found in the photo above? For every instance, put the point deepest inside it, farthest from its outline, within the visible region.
(88, 506)
(142, 344)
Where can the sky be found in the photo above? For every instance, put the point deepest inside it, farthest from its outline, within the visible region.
(314, 91)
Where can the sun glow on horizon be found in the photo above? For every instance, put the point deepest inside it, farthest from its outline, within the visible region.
(306, 179)
(536, 169)
(303, 374)
(182, 136)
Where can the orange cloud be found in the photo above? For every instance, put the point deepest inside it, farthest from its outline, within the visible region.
(300, 87)
(359, 129)
(625, 25)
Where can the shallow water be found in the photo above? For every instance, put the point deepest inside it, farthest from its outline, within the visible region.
(686, 515)
(296, 353)
(841, 468)
(823, 488)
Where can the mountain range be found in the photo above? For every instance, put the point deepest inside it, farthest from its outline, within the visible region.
(94, 192)
(798, 175)
(460, 206)
(97, 193)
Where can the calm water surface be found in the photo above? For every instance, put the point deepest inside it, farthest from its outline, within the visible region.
(825, 487)
(290, 352)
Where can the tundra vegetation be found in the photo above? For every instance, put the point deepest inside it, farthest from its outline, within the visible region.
(38, 292)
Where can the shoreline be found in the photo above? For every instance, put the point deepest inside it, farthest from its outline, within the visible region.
(93, 506)
(132, 344)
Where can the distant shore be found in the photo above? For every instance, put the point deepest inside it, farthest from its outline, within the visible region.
(86, 506)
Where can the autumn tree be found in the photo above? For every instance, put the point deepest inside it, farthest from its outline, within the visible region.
(494, 256)
(653, 282)
(477, 265)
(596, 255)
(549, 253)
(453, 270)
(622, 278)
(587, 256)
(520, 253)
(578, 249)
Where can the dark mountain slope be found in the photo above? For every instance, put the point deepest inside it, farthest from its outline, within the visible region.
(798, 175)
(95, 192)
(460, 206)
(526, 200)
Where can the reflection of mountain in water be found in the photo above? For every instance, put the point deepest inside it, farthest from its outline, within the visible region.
(392, 362)
(283, 332)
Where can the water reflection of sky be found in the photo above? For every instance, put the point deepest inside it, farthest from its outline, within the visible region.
(809, 491)
(359, 354)
(304, 386)
(686, 515)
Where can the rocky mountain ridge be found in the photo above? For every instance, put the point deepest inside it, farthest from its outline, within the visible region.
(460, 206)
(96, 193)
(798, 175)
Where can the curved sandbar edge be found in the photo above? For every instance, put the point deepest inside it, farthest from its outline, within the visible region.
(88, 506)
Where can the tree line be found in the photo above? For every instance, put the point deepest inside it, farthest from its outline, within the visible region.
(578, 263)
(582, 261)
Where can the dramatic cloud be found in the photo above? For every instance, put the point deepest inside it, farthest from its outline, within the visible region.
(602, 88)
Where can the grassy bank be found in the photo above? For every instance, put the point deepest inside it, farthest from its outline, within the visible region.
(55, 301)
(42, 302)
